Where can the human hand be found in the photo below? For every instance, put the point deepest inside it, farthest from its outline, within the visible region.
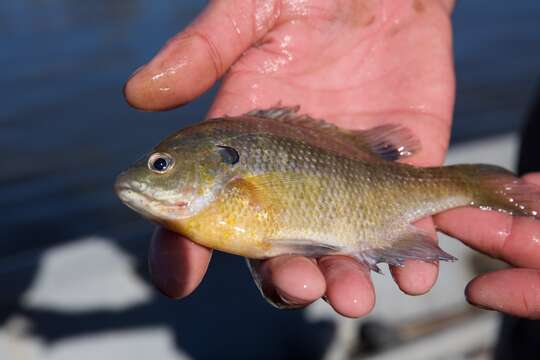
(356, 63)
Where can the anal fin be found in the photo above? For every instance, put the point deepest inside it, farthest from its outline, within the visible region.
(414, 244)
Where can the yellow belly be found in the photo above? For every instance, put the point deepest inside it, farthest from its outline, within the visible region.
(238, 222)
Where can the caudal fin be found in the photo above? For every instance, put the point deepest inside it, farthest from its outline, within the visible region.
(495, 188)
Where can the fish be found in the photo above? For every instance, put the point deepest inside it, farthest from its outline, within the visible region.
(274, 181)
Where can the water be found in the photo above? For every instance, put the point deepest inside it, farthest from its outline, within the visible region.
(64, 121)
(497, 55)
(65, 130)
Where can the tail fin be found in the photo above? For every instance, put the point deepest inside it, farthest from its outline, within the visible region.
(495, 188)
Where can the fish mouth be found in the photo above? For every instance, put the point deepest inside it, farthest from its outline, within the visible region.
(134, 197)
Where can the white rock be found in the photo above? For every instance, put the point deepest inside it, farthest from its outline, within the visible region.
(86, 275)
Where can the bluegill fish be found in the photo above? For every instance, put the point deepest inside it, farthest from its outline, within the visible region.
(273, 182)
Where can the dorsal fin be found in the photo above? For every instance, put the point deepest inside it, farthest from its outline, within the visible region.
(389, 142)
(276, 113)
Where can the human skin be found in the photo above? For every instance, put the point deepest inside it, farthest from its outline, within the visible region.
(356, 63)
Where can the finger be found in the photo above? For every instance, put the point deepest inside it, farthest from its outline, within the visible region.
(265, 286)
(290, 281)
(512, 291)
(177, 265)
(348, 286)
(417, 277)
(516, 240)
(195, 58)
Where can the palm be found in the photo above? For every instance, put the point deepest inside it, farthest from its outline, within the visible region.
(355, 63)
(353, 67)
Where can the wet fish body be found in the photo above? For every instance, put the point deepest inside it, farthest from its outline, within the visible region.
(272, 182)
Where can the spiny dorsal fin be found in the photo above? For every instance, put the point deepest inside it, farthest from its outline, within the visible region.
(389, 142)
(276, 113)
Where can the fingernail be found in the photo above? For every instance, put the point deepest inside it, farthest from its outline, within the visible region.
(479, 306)
(287, 301)
(483, 307)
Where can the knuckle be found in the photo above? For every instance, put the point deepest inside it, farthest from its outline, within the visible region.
(210, 48)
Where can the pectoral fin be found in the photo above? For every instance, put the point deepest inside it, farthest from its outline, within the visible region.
(264, 190)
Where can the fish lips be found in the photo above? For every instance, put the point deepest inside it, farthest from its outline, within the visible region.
(133, 195)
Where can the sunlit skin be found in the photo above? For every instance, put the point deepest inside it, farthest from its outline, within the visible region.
(357, 64)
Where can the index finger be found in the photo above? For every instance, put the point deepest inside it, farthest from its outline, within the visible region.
(194, 59)
(515, 240)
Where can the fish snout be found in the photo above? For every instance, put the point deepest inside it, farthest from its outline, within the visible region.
(132, 194)
(122, 186)
(124, 181)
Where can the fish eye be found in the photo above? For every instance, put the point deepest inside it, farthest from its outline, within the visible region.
(160, 162)
(228, 154)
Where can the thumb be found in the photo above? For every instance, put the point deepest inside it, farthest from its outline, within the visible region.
(194, 59)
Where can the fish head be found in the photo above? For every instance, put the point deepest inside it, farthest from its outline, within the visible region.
(179, 177)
